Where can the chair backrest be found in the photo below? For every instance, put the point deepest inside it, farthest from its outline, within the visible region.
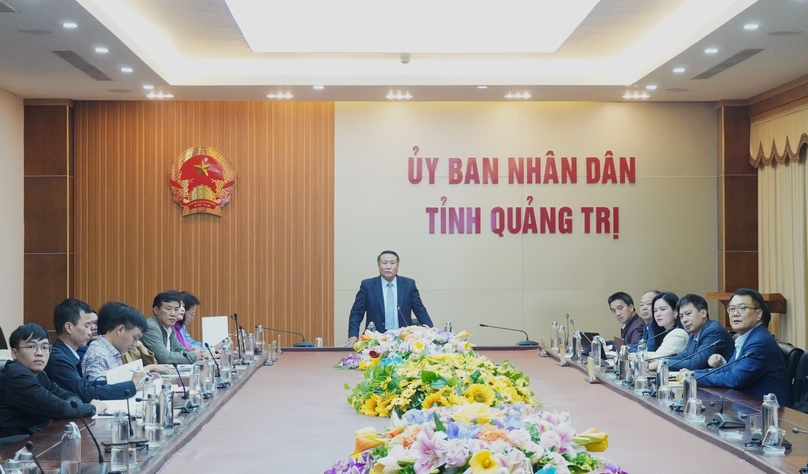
(3, 342)
(792, 356)
(799, 388)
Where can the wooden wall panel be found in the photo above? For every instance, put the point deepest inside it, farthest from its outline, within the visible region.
(269, 257)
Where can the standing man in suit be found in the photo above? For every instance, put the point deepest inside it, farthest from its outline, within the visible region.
(762, 369)
(704, 332)
(389, 300)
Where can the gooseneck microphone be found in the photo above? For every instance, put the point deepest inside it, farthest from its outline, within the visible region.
(103, 466)
(650, 359)
(748, 354)
(182, 382)
(796, 430)
(219, 380)
(567, 333)
(297, 344)
(652, 338)
(30, 447)
(127, 394)
(239, 336)
(526, 342)
(708, 347)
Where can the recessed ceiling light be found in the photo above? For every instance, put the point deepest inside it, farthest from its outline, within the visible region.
(148, 87)
(651, 87)
(126, 69)
(678, 70)
(482, 87)
(160, 95)
(751, 26)
(636, 95)
(711, 50)
(280, 95)
(101, 50)
(319, 88)
(518, 95)
(70, 25)
(399, 95)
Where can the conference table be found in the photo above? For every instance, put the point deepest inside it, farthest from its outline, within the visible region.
(293, 417)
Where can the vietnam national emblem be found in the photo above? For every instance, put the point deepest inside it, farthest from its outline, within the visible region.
(202, 180)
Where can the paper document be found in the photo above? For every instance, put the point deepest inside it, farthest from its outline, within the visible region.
(123, 373)
(214, 329)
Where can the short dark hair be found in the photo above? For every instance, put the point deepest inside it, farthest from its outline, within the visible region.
(697, 301)
(169, 296)
(671, 299)
(68, 311)
(27, 332)
(379, 258)
(113, 314)
(758, 299)
(620, 295)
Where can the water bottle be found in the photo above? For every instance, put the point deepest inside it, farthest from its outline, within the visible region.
(768, 412)
(148, 387)
(622, 364)
(12, 466)
(447, 327)
(195, 386)
(595, 351)
(554, 336)
(119, 453)
(662, 374)
(260, 342)
(278, 350)
(165, 413)
(71, 449)
(690, 387)
(210, 376)
(577, 352)
(371, 327)
(562, 348)
(226, 363)
(151, 426)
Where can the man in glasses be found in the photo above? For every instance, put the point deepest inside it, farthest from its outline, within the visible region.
(29, 400)
(760, 368)
(707, 336)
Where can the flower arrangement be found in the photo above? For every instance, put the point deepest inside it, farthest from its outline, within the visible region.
(393, 384)
(406, 342)
(477, 439)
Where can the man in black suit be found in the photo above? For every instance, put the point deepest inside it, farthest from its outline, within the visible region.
(622, 306)
(29, 400)
(389, 300)
(692, 311)
(72, 320)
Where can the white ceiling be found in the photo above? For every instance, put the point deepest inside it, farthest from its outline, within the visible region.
(195, 49)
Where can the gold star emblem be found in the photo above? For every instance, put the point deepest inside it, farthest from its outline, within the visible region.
(203, 168)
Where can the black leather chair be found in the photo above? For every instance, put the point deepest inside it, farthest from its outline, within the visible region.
(792, 356)
(799, 387)
(3, 342)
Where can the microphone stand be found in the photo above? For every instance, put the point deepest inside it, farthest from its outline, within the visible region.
(102, 469)
(526, 342)
(703, 349)
(303, 343)
(220, 383)
(30, 447)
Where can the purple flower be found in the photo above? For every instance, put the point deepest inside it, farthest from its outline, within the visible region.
(461, 430)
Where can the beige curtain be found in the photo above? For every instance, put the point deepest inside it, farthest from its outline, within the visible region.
(778, 139)
(783, 256)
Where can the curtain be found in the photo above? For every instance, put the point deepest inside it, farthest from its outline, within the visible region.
(783, 246)
(778, 138)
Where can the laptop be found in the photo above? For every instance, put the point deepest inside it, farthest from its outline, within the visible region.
(586, 345)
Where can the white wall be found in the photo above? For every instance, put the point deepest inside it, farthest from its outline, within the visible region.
(11, 211)
(668, 218)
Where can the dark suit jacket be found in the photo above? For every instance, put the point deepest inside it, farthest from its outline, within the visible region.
(762, 373)
(711, 332)
(370, 300)
(28, 402)
(632, 333)
(647, 336)
(65, 369)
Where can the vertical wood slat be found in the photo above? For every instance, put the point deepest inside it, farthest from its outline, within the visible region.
(269, 257)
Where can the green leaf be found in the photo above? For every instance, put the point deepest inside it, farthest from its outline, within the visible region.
(347, 387)
(438, 424)
(438, 384)
(428, 376)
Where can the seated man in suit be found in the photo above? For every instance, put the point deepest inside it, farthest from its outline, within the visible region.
(622, 306)
(762, 369)
(160, 337)
(389, 300)
(29, 400)
(647, 316)
(704, 333)
(72, 320)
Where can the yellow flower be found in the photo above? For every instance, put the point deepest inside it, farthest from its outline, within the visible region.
(480, 393)
(483, 462)
(593, 440)
(366, 438)
(434, 399)
(473, 413)
(369, 406)
(418, 346)
(382, 407)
